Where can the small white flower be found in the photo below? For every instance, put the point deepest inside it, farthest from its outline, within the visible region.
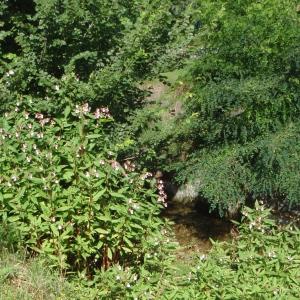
(85, 108)
(56, 87)
(10, 73)
(118, 277)
(39, 116)
(44, 121)
(271, 254)
(60, 227)
(203, 257)
(14, 178)
(128, 285)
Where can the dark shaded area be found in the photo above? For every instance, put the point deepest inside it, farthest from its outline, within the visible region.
(193, 228)
(22, 6)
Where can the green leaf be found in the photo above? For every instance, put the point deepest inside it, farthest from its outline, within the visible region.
(67, 111)
(13, 219)
(68, 174)
(117, 195)
(109, 253)
(128, 242)
(54, 230)
(99, 194)
(94, 136)
(102, 231)
(64, 208)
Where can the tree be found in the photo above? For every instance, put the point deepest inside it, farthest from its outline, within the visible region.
(243, 108)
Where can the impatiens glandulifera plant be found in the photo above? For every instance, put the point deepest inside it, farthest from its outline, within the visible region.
(66, 195)
(262, 262)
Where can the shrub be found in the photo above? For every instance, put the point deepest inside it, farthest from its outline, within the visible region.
(261, 263)
(57, 51)
(242, 108)
(64, 191)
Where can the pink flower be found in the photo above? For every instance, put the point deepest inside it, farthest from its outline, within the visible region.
(39, 116)
(44, 121)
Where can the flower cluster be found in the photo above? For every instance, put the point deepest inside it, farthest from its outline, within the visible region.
(40, 117)
(10, 73)
(146, 176)
(115, 165)
(102, 112)
(82, 109)
(162, 198)
(271, 254)
(129, 166)
(92, 173)
(132, 206)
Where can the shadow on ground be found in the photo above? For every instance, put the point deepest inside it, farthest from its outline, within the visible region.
(193, 230)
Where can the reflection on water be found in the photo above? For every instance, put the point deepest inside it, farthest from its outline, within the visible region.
(193, 229)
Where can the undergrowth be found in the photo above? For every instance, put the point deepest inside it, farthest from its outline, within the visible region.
(262, 261)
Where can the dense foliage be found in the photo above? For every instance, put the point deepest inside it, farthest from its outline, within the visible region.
(55, 51)
(238, 136)
(67, 196)
(245, 102)
(78, 132)
(262, 263)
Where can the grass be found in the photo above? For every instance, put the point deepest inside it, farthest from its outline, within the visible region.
(29, 279)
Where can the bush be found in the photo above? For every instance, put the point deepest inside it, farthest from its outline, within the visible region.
(261, 263)
(57, 51)
(241, 111)
(64, 191)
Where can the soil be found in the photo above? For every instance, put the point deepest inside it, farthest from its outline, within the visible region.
(193, 230)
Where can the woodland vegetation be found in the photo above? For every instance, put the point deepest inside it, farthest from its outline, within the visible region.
(82, 135)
